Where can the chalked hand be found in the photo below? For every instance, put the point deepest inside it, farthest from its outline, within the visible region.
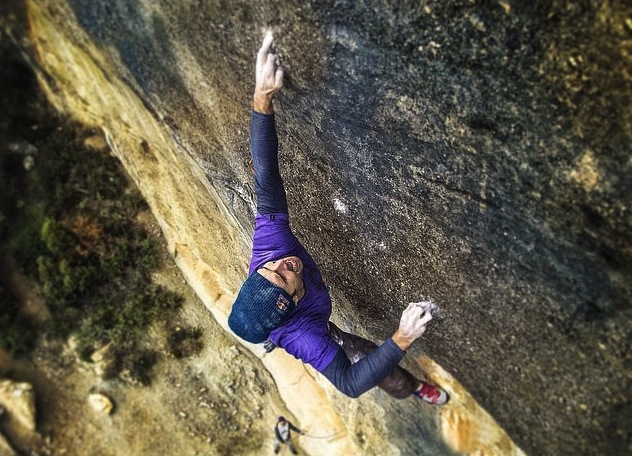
(412, 325)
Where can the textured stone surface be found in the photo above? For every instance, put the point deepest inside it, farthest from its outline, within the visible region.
(5, 447)
(474, 152)
(18, 398)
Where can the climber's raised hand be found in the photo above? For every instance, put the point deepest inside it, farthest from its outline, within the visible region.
(269, 76)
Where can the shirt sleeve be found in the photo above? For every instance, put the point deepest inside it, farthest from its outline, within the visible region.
(264, 146)
(355, 379)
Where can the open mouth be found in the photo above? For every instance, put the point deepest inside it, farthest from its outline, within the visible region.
(293, 265)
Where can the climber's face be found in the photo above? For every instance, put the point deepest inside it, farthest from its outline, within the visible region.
(286, 273)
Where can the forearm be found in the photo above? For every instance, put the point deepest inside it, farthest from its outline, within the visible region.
(262, 103)
(355, 379)
(263, 138)
(264, 143)
(402, 341)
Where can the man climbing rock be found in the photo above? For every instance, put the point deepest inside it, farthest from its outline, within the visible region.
(284, 301)
(283, 434)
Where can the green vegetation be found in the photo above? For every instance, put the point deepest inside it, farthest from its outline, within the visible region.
(69, 223)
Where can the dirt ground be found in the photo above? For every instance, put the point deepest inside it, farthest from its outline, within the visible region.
(190, 408)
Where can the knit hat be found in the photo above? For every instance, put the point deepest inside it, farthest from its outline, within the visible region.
(259, 308)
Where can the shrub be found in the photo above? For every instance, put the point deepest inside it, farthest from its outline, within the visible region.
(69, 222)
(75, 232)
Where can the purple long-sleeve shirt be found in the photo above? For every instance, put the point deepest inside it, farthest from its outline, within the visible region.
(305, 334)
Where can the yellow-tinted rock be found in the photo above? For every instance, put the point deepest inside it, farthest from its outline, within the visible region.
(465, 425)
(100, 403)
(586, 173)
(19, 402)
(5, 448)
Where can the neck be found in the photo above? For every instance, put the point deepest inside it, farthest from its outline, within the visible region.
(300, 292)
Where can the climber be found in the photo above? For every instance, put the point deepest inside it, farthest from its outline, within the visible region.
(283, 434)
(284, 301)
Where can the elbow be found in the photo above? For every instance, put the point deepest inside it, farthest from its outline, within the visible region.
(346, 387)
(349, 391)
(354, 394)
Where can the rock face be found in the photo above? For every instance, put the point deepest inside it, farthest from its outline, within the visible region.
(477, 153)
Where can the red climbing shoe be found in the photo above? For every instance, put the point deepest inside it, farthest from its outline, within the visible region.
(432, 394)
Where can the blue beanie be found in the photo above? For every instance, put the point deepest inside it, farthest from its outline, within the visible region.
(259, 308)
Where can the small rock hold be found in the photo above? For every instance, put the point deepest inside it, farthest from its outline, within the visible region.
(100, 403)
